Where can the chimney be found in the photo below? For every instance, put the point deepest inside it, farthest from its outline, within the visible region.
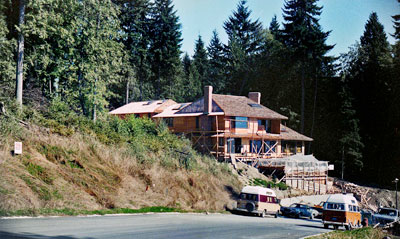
(255, 96)
(207, 99)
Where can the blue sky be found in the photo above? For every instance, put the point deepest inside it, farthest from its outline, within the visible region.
(345, 18)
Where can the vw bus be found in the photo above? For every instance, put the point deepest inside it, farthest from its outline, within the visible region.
(258, 200)
(341, 210)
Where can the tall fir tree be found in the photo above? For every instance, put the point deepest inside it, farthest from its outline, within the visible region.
(274, 28)
(303, 34)
(191, 85)
(165, 50)
(217, 64)
(371, 85)
(244, 43)
(200, 61)
(135, 24)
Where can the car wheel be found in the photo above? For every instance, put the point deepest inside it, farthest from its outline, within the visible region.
(326, 226)
(311, 216)
(262, 214)
(276, 214)
(335, 227)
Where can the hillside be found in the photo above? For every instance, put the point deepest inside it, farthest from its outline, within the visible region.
(71, 163)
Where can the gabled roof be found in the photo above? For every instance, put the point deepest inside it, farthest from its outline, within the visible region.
(153, 106)
(242, 106)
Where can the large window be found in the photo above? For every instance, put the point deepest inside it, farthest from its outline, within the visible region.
(240, 122)
(264, 125)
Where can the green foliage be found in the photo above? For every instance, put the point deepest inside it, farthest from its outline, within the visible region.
(244, 42)
(363, 233)
(268, 184)
(217, 65)
(38, 172)
(7, 63)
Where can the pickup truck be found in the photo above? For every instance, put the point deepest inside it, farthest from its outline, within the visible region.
(386, 215)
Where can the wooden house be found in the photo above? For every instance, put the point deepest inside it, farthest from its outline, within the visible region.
(234, 126)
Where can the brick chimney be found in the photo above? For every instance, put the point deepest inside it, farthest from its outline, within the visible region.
(255, 96)
(207, 99)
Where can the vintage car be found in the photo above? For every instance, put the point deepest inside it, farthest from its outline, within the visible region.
(341, 210)
(258, 200)
(385, 216)
(298, 210)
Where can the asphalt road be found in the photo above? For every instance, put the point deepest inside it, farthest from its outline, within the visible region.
(159, 226)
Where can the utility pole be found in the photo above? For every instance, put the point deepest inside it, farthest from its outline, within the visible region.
(20, 56)
(396, 180)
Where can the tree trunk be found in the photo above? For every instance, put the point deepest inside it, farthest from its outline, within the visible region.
(303, 95)
(127, 92)
(313, 113)
(20, 56)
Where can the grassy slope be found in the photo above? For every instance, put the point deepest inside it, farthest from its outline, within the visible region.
(70, 163)
(363, 233)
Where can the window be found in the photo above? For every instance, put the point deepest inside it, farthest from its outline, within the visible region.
(264, 125)
(247, 196)
(255, 146)
(169, 122)
(220, 141)
(197, 122)
(240, 122)
(271, 145)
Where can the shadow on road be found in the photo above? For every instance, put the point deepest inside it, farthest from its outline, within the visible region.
(310, 226)
(10, 235)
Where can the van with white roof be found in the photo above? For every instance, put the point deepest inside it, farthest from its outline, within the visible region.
(341, 210)
(258, 200)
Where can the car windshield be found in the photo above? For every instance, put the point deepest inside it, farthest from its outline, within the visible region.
(248, 196)
(388, 212)
(294, 205)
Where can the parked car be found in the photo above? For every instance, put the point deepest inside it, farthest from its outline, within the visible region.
(298, 210)
(258, 200)
(386, 215)
(320, 208)
(341, 210)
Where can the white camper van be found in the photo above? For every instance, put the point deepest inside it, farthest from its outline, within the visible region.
(258, 200)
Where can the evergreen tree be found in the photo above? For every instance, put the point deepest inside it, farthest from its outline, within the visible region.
(191, 85)
(73, 44)
(216, 72)
(164, 50)
(135, 24)
(351, 144)
(371, 84)
(303, 35)
(7, 63)
(274, 28)
(200, 61)
(244, 42)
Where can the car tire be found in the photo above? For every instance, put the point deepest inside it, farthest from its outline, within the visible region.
(276, 214)
(262, 214)
(326, 226)
(250, 206)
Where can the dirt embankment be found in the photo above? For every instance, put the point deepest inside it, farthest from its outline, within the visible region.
(78, 172)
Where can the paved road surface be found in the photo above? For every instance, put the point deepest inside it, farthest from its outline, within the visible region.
(158, 226)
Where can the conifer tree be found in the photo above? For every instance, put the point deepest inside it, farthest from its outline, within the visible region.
(371, 85)
(135, 24)
(304, 36)
(217, 62)
(244, 42)
(191, 86)
(7, 63)
(164, 49)
(274, 28)
(200, 61)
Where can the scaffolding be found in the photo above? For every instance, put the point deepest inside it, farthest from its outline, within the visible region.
(299, 171)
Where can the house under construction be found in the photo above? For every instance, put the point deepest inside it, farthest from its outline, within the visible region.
(239, 128)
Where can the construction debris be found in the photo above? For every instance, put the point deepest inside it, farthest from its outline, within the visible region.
(369, 198)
